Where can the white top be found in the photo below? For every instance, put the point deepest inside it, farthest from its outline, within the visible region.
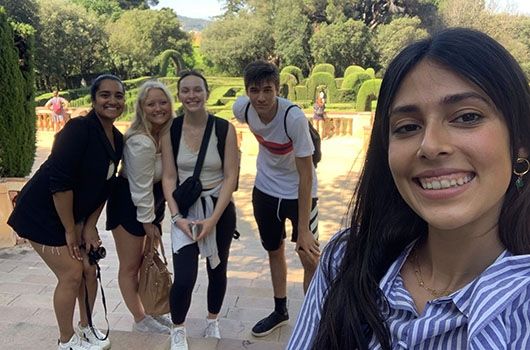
(276, 168)
(212, 168)
(142, 166)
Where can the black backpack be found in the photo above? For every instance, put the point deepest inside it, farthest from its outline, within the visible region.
(315, 137)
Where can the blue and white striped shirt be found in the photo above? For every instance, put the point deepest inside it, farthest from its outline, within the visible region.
(491, 312)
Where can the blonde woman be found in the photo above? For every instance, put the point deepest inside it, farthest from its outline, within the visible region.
(136, 207)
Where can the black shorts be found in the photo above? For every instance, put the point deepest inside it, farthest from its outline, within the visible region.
(122, 211)
(270, 214)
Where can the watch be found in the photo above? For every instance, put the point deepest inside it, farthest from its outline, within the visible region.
(176, 217)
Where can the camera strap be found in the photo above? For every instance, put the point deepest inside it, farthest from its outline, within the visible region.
(87, 305)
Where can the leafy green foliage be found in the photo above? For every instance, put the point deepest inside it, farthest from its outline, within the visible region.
(325, 79)
(324, 67)
(139, 36)
(287, 83)
(17, 122)
(169, 56)
(368, 92)
(291, 34)
(72, 42)
(354, 81)
(297, 72)
(343, 43)
(391, 38)
(233, 42)
(106, 8)
(353, 69)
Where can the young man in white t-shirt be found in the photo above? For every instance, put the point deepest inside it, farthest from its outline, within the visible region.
(285, 185)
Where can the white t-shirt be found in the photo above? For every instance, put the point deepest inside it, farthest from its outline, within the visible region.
(276, 168)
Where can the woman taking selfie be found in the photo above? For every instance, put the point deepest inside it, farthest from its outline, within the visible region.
(207, 226)
(59, 207)
(437, 256)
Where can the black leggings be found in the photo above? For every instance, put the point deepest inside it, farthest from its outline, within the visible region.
(186, 266)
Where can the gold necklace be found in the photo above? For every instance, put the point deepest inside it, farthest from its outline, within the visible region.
(417, 271)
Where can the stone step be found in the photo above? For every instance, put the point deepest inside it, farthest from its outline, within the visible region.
(28, 336)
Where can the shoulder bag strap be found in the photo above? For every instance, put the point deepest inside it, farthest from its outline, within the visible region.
(285, 120)
(204, 146)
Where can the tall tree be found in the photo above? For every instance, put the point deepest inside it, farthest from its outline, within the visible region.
(232, 42)
(105, 8)
(17, 131)
(137, 4)
(139, 36)
(391, 38)
(292, 32)
(344, 44)
(72, 42)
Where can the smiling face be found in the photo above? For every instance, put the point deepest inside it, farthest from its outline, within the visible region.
(192, 93)
(109, 100)
(449, 149)
(156, 108)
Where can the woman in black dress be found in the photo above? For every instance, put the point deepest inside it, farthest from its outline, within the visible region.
(58, 209)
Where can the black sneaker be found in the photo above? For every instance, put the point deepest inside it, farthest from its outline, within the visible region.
(270, 323)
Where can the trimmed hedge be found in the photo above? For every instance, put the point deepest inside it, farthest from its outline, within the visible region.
(164, 58)
(368, 92)
(353, 69)
(338, 82)
(322, 78)
(294, 70)
(301, 92)
(324, 68)
(353, 81)
(287, 86)
(371, 72)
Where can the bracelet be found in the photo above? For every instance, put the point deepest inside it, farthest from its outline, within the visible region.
(176, 217)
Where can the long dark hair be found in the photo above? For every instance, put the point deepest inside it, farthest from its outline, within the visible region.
(382, 224)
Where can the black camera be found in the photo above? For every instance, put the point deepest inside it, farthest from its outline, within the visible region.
(94, 255)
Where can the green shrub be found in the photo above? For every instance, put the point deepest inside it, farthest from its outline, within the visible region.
(287, 86)
(294, 70)
(353, 69)
(17, 115)
(322, 78)
(345, 95)
(165, 58)
(338, 82)
(354, 81)
(324, 68)
(368, 92)
(301, 92)
(135, 83)
(371, 72)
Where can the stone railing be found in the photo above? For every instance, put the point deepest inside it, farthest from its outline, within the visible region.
(44, 116)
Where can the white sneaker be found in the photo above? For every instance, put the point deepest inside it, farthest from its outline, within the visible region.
(76, 343)
(178, 339)
(150, 325)
(86, 334)
(212, 329)
(164, 320)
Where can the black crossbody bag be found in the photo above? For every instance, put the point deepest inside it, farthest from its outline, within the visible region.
(189, 191)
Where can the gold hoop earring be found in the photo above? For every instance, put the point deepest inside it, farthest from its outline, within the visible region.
(519, 183)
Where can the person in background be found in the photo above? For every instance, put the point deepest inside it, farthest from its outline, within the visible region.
(58, 209)
(57, 105)
(212, 217)
(438, 253)
(136, 207)
(286, 183)
(320, 121)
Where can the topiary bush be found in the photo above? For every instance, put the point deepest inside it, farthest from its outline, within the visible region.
(17, 115)
(294, 70)
(322, 78)
(353, 69)
(324, 67)
(354, 81)
(169, 56)
(368, 92)
(301, 92)
(287, 86)
(371, 72)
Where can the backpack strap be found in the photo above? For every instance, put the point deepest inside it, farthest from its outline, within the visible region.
(175, 134)
(221, 131)
(246, 112)
(285, 120)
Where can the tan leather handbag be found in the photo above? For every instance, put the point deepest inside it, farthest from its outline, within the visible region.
(155, 281)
